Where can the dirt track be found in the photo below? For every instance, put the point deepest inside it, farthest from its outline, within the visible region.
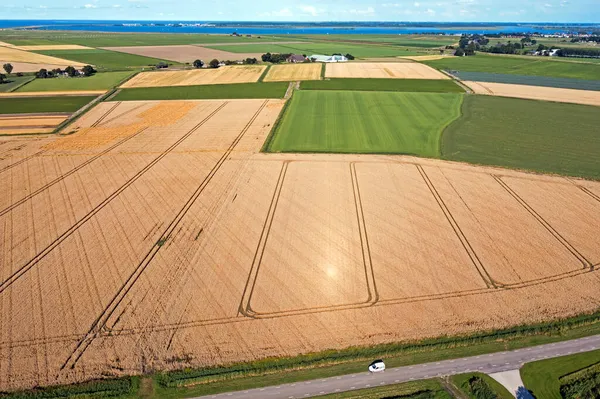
(119, 257)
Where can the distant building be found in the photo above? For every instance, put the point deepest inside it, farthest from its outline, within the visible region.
(294, 58)
(328, 58)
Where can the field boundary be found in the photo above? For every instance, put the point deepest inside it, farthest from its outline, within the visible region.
(266, 147)
(264, 74)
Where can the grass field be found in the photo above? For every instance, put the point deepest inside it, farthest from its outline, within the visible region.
(461, 381)
(537, 66)
(239, 90)
(542, 377)
(42, 104)
(357, 50)
(538, 135)
(424, 41)
(98, 81)
(544, 81)
(426, 389)
(365, 122)
(14, 81)
(414, 85)
(105, 59)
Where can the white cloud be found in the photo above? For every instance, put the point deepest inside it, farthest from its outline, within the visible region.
(116, 6)
(310, 10)
(548, 5)
(89, 6)
(417, 4)
(430, 11)
(366, 11)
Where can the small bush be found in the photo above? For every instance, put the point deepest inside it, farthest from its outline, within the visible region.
(480, 389)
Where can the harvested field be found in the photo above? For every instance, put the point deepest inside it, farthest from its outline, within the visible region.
(586, 97)
(184, 53)
(223, 75)
(12, 54)
(31, 67)
(25, 130)
(293, 72)
(408, 70)
(30, 124)
(114, 248)
(424, 57)
(43, 47)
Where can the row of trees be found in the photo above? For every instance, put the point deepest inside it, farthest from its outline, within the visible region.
(579, 52)
(43, 73)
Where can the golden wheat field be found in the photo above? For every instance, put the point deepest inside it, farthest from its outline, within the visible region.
(222, 75)
(13, 124)
(40, 47)
(13, 54)
(388, 70)
(154, 235)
(587, 97)
(293, 72)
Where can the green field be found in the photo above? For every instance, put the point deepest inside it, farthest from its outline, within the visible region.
(12, 82)
(461, 381)
(542, 377)
(105, 59)
(525, 134)
(357, 50)
(98, 81)
(239, 90)
(424, 41)
(544, 81)
(42, 104)
(365, 122)
(414, 85)
(425, 389)
(531, 66)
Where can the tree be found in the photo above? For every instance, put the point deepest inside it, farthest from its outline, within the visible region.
(350, 57)
(459, 52)
(250, 61)
(71, 71)
(266, 57)
(2, 77)
(198, 64)
(8, 68)
(470, 50)
(42, 74)
(88, 70)
(214, 63)
(162, 65)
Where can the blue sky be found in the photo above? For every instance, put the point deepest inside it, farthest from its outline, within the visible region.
(307, 10)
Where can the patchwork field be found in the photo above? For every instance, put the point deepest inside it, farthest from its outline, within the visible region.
(10, 125)
(414, 85)
(14, 81)
(25, 105)
(14, 55)
(544, 81)
(99, 81)
(293, 72)
(566, 143)
(250, 255)
(408, 70)
(103, 59)
(368, 122)
(186, 53)
(222, 75)
(587, 97)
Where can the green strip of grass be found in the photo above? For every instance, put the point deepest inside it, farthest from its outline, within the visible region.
(365, 122)
(241, 90)
(98, 81)
(120, 387)
(410, 85)
(525, 134)
(542, 377)
(461, 381)
(426, 389)
(105, 59)
(42, 104)
(13, 82)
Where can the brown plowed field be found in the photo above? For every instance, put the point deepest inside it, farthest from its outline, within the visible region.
(587, 97)
(172, 242)
(184, 53)
(392, 70)
(223, 75)
(293, 72)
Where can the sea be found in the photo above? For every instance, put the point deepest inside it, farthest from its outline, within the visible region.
(296, 28)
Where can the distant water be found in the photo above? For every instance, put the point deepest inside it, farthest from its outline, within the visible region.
(266, 28)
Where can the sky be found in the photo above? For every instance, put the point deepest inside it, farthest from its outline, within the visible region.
(585, 11)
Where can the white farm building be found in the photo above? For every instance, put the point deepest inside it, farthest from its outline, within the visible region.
(328, 58)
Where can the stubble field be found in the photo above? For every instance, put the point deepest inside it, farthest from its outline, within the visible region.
(223, 75)
(390, 70)
(156, 236)
(185, 53)
(293, 72)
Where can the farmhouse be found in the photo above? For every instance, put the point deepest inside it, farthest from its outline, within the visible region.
(294, 58)
(328, 58)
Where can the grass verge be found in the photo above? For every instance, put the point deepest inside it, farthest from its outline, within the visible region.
(42, 104)
(410, 85)
(526, 134)
(463, 382)
(426, 389)
(240, 90)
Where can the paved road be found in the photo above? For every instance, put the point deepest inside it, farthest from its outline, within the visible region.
(492, 363)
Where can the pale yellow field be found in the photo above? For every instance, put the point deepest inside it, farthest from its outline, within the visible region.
(15, 131)
(223, 75)
(390, 70)
(587, 97)
(29, 124)
(54, 47)
(424, 57)
(183, 53)
(293, 72)
(12, 54)
(53, 93)
(31, 67)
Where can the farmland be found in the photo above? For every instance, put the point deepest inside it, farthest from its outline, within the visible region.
(184, 53)
(103, 59)
(405, 70)
(286, 73)
(414, 85)
(566, 145)
(98, 81)
(528, 66)
(13, 82)
(29, 124)
(14, 55)
(42, 104)
(543, 81)
(587, 97)
(341, 121)
(235, 90)
(223, 75)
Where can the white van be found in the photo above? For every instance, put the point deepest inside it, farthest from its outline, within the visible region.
(377, 366)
